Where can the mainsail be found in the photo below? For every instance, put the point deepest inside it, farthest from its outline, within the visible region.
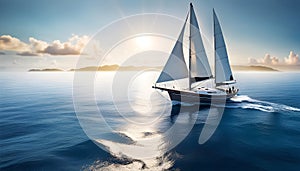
(175, 67)
(223, 74)
(200, 69)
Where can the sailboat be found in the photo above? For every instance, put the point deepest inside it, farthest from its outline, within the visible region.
(202, 86)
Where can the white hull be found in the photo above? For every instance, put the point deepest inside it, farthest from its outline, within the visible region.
(211, 96)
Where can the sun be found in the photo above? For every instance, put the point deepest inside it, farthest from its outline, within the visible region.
(143, 42)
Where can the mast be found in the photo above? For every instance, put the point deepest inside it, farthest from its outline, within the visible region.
(214, 47)
(190, 53)
(199, 66)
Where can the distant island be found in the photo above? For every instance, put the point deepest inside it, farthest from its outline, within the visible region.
(45, 70)
(252, 68)
(115, 68)
(137, 68)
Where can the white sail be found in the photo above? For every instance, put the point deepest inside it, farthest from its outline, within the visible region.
(223, 74)
(175, 67)
(200, 69)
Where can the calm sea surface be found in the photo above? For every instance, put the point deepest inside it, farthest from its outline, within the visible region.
(40, 130)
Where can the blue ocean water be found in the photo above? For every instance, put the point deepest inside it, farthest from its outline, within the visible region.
(39, 128)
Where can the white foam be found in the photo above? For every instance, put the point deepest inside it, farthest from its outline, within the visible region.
(245, 102)
(242, 98)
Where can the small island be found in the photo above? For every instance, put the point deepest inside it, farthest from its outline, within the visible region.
(253, 68)
(46, 70)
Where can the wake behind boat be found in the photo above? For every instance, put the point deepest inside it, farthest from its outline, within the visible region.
(202, 85)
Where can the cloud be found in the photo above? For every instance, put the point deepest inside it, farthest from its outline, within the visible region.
(58, 48)
(292, 59)
(36, 47)
(27, 53)
(268, 60)
(252, 61)
(73, 46)
(2, 53)
(11, 43)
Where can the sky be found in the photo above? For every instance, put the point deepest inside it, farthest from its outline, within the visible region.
(47, 34)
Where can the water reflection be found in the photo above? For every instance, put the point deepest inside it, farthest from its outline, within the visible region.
(136, 123)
